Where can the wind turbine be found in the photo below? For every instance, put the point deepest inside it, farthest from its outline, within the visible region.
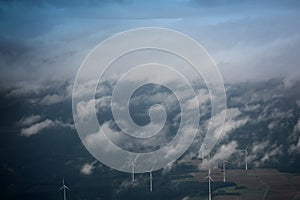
(209, 171)
(150, 179)
(64, 187)
(209, 164)
(209, 178)
(224, 168)
(132, 164)
(246, 157)
(132, 170)
(209, 185)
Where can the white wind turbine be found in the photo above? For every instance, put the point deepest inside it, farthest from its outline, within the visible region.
(224, 168)
(150, 179)
(209, 178)
(246, 157)
(209, 170)
(64, 187)
(209, 186)
(132, 164)
(132, 171)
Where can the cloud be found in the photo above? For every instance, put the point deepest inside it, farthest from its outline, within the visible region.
(40, 126)
(251, 108)
(40, 93)
(27, 121)
(263, 152)
(246, 39)
(272, 154)
(233, 121)
(272, 125)
(129, 184)
(50, 99)
(34, 129)
(297, 126)
(260, 147)
(295, 147)
(85, 109)
(224, 152)
(260, 60)
(87, 168)
(25, 88)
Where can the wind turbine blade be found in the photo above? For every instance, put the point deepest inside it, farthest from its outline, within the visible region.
(209, 177)
(132, 164)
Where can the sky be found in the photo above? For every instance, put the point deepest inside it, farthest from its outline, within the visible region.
(43, 41)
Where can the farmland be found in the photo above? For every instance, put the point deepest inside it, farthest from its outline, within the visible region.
(268, 184)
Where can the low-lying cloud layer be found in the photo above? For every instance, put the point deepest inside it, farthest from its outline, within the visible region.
(251, 42)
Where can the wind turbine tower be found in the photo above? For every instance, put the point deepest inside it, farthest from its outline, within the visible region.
(246, 157)
(209, 171)
(64, 187)
(209, 186)
(224, 168)
(132, 171)
(151, 186)
(209, 178)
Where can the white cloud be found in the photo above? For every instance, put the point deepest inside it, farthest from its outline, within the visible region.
(52, 99)
(96, 139)
(28, 87)
(272, 154)
(224, 152)
(259, 147)
(295, 137)
(85, 109)
(34, 129)
(295, 147)
(128, 183)
(269, 112)
(38, 127)
(233, 121)
(264, 152)
(86, 88)
(87, 168)
(272, 125)
(251, 108)
(27, 121)
(297, 126)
